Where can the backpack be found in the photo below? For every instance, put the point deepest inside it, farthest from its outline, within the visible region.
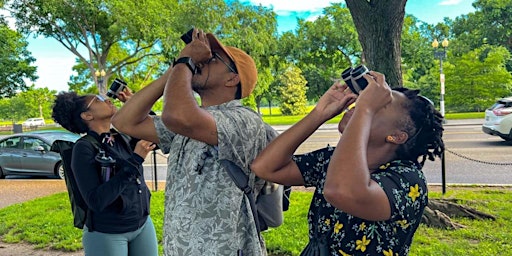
(78, 206)
(272, 200)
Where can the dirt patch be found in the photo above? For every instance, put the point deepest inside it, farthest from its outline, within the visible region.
(19, 249)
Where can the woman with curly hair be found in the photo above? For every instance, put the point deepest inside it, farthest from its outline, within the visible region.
(370, 189)
(118, 221)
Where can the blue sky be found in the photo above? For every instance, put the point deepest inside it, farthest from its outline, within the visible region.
(54, 62)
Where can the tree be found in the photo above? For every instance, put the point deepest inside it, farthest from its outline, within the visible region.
(35, 102)
(15, 62)
(489, 24)
(136, 40)
(98, 26)
(322, 48)
(293, 92)
(417, 57)
(480, 76)
(379, 26)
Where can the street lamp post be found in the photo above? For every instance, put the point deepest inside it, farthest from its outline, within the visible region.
(441, 55)
(100, 75)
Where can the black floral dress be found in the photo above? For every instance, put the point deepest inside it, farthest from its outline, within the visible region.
(334, 232)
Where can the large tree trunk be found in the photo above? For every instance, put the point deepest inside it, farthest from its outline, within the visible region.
(439, 211)
(381, 42)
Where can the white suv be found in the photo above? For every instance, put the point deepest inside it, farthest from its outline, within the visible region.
(498, 119)
(37, 121)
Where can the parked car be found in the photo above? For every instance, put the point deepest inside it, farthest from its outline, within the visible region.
(498, 119)
(36, 121)
(29, 153)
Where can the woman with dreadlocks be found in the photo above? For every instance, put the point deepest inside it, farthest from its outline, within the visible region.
(370, 190)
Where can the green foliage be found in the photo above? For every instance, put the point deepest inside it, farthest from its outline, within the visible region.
(476, 79)
(322, 48)
(31, 103)
(15, 62)
(293, 92)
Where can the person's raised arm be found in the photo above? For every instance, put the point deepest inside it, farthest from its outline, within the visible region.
(181, 112)
(133, 118)
(275, 162)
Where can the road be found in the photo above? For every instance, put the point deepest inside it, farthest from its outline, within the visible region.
(472, 157)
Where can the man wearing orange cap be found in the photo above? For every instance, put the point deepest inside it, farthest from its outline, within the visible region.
(205, 212)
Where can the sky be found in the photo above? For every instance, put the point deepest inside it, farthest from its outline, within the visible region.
(54, 62)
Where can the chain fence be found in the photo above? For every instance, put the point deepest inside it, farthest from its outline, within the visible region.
(476, 160)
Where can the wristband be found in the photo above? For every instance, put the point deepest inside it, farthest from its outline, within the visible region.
(187, 61)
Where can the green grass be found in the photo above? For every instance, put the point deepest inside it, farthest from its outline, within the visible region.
(278, 119)
(47, 223)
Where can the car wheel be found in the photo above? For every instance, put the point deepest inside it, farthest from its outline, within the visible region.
(59, 170)
(1, 173)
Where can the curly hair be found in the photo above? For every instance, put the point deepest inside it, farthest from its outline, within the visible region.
(425, 129)
(66, 111)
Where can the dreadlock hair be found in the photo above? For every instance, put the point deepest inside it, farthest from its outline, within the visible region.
(67, 108)
(426, 131)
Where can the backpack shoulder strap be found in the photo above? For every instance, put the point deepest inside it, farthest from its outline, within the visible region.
(95, 143)
(242, 182)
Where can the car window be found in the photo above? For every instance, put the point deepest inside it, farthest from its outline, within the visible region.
(10, 143)
(33, 143)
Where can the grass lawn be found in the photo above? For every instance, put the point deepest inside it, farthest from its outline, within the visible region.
(47, 223)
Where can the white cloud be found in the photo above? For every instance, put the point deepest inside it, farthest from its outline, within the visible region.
(450, 2)
(283, 7)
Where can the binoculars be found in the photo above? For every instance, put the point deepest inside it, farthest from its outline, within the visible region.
(354, 79)
(115, 88)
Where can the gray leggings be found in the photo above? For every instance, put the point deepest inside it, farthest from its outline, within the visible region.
(139, 242)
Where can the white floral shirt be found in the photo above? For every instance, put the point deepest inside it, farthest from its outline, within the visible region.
(205, 212)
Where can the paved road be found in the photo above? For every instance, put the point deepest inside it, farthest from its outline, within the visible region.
(463, 138)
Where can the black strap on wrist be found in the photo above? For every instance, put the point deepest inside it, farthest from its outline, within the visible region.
(187, 61)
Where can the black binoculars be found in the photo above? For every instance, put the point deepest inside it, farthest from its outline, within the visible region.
(115, 88)
(354, 79)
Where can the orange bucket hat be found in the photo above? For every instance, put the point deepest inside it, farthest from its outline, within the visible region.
(244, 64)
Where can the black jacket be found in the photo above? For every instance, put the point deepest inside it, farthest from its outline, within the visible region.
(121, 204)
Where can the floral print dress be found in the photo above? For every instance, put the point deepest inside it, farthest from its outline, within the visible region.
(334, 232)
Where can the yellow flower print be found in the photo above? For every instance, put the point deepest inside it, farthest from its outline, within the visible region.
(342, 253)
(384, 166)
(362, 226)
(327, 222)
(414, 192)
(337, 227)
(389, 253)
(361, 244)
(403, 223)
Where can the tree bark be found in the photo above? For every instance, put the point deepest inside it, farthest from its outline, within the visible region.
(379, 26)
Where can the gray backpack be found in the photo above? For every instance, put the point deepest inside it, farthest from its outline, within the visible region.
(270, 202)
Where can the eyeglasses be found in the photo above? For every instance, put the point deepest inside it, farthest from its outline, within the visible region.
(98, 97)
(425, 99)
(217, 56)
